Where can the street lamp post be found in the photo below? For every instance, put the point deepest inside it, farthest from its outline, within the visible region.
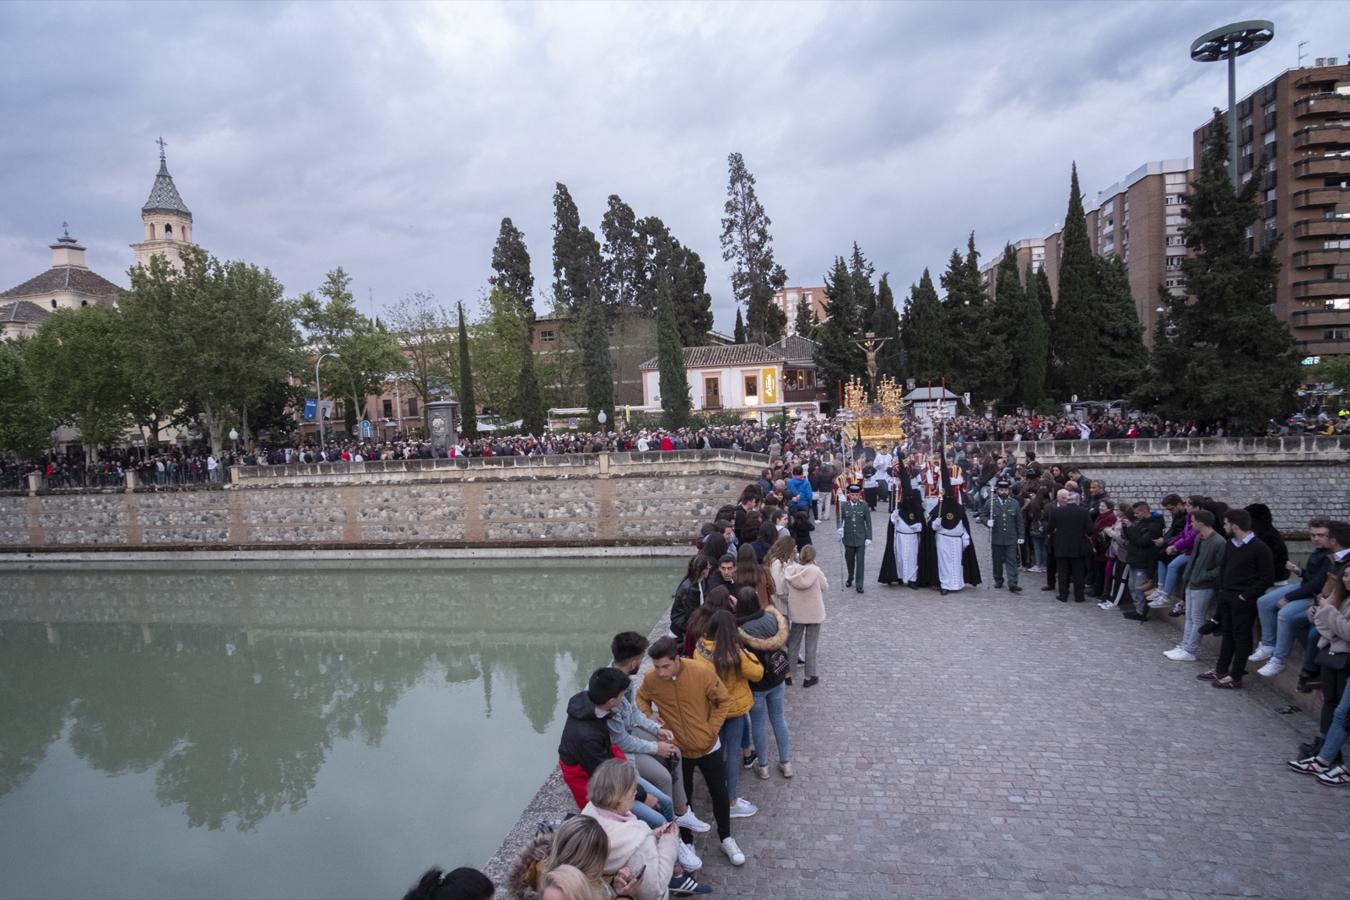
(1230, 42)
(234, 438)
(318, 395)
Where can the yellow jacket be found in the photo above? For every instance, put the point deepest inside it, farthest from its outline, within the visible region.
(693, 706)
(738, 685)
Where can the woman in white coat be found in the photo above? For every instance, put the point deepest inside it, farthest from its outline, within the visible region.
(806, 610)
(633, 845)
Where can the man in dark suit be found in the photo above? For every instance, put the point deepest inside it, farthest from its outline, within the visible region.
(1069, 531)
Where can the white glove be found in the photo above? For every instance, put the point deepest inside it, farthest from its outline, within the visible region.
(867, 543)
(841, 534)
(1021, 541)
(989, 524)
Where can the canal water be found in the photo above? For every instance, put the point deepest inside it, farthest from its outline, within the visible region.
(288, 730)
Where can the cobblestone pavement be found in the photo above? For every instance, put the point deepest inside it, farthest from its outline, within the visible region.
(986, 745)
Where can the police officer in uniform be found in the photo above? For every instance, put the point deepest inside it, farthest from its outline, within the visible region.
(1007, 531)
(856, 533)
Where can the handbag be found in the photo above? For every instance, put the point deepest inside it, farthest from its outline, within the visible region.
(1334, 661)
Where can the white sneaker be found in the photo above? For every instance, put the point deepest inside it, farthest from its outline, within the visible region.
(692, 822)
(1263, 652)
(1159, 601)
(1180, 655)
(685, 856)
(743, 809)
(1270, 669)
(733, 852)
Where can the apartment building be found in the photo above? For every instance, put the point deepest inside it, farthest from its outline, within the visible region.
(789, 298)
(1299, 123)
(1030, 252)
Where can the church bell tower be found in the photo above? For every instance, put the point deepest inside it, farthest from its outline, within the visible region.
(167, 220)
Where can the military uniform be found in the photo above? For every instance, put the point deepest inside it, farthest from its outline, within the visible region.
(857, 533)
(1007, 529)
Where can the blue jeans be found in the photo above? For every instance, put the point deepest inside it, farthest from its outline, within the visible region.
(1197, 612)
(768, 709)
(654, 817)
(1338, 730)
(1038, 549)
(1137, 577)
(732, 730)
(1170, 572)
(1269, 612)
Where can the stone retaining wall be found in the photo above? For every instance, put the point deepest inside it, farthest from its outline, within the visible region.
(579, 499)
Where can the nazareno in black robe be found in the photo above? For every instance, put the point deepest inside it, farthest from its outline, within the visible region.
(911, 511)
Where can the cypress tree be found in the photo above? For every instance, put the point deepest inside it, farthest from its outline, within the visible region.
(747, 244)
(977, 359)
(1031, 344)
(837, 354)
(864, 294)
(1224, 357)
(511, 273)
(1073, 329)
(468, 409)
(1121, 355)
(1006, 318)
(599, 371)
(924, 334)
(806, 319)
(1046, 297)
(738, 334)
(886, 324)
(675, 402)
(693, 304)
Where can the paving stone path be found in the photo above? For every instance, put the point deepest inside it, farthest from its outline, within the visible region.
(986, 745)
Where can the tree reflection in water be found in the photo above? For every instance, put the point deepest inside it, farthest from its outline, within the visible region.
(237, 719)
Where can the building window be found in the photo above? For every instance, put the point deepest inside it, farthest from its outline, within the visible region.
(545, 336)
(1337, 334)
(1176, 240)
(1174, 220)
(412, 408)
(389, 409)
(1339, 304)
(1173, 199)
(751, 390)
(1175, 178)
(1174, 263)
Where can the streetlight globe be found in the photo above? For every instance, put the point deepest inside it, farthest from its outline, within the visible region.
(234, 435)
(601, 417)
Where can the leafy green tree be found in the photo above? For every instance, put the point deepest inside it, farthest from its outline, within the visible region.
(368, 355)
(675, 402)
(1030, 343)
(500, 349)
(1121, 355)
(838, 355)
(511, 265)
(886, 324)
(1223, 357)
(623, 257)
(468, 407)
(512, 276)
(1074, 327)
(738, 333)
(864, 294)
(747, 244)
(79, 375)
(25, 425)
(923, 333)
(1333, 370)
(213, 338)
(594, 343)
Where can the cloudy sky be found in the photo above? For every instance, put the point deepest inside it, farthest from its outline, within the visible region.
(391, 139)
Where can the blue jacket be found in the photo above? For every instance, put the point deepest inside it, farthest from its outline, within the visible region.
(802, 488)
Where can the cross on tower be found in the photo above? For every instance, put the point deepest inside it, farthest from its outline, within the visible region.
(162, 145)
(65, 228)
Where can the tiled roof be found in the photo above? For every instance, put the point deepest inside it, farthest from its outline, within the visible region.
(65, 278)
(24, 312)
(795, 347)
(719, 356)
(164, 196)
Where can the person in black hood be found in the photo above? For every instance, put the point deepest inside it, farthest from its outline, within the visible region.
(904, 535)
(1263, 525)
(956, 562)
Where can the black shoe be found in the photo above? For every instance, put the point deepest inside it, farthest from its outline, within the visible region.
(1079, 599)
(1047, 588)
(811, 682)
(686, 886)
(848, 583)
(998, 585)
(1135, 616)
(943, 591)
(1210, 627)
(801, 660)
(860, 589)
(1062, 599)
(1307, 683)
(912, 585)
(1015, 590)
(788, 681)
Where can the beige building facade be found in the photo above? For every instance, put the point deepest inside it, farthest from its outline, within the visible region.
(788, 299)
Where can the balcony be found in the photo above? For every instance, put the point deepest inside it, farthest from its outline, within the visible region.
(1326, 76)
(1321, 289)
(1322, 228)
(805, 395)
(1320, 318)
(1322, 136)
(1322, 347)
(1336, 257)
(1326, 196)
(1326, 103)
(1322, 166)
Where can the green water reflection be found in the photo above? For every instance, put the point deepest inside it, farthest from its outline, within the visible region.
(286, 732)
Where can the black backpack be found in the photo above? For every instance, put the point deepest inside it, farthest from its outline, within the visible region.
(776, 668)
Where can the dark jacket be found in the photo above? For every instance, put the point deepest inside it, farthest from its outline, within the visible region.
(761, 550)
(585, 738)
(1206, 563)
(1315, 572)
(687, 598)
(1069, 529)
(1142, 554)
(1248, 571)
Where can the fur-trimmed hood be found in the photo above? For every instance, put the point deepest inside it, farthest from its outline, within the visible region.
(523, 880)
(756, 639)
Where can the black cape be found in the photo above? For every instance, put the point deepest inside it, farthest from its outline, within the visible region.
(970, 566)
(911, 511)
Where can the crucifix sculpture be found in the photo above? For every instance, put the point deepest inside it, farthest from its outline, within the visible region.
(869, 345)
(162, 145)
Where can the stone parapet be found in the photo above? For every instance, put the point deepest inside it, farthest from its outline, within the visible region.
(1188, 451)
